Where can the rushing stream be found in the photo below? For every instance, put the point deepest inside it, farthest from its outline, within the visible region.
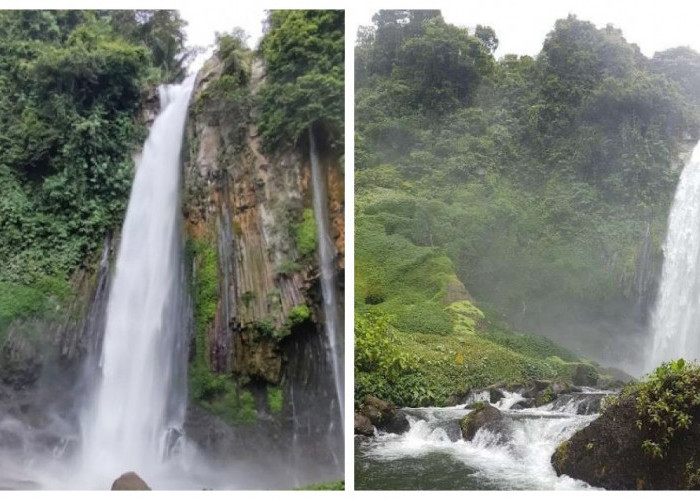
(433, 455)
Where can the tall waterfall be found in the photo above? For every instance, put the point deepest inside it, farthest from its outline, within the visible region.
(326, 252)
(676, 317)
(135, 414)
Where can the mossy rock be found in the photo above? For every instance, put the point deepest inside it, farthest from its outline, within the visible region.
(482, 415)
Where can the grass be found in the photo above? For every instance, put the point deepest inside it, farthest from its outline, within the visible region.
(442, 344)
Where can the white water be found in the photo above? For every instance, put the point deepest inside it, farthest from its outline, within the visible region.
(326, 250)
(675, 323)
(130, 420)
(518, 458)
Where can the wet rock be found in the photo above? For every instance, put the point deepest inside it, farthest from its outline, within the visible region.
(541, 385)
(525, 403)
(561, 388)
(398, 424)
(585, 375)
(384, 415)
(129, 481)
(484, 415)
(363, 426)
(609, 454)
(495, 395)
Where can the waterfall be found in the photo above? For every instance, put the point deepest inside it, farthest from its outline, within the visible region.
(326, 249)
(675, 324)
(135, 414)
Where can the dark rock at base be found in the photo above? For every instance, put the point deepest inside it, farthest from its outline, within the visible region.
(585, 375)
(363, 425)
(129, 481)
(541, 385)
(384, 415)
(374, 415)
(484, 415)
(576, 389)
(561, 388)
(397, 424)
(608, 453)
(525, 403)
(379, 404)
(495, 395)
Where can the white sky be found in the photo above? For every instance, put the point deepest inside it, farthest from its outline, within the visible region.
(203, 23)
(521, 26)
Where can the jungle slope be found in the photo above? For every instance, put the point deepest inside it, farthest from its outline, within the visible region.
(541, 186)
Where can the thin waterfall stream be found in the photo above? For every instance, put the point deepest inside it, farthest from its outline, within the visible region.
(326, 249)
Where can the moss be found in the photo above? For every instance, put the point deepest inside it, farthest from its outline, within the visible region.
(561, 454)
(205, 292)
(333, 485)
(274, 399)
(247, 298)
(265, 328)
(298, 314)
(306, 233)
(288, 267)
(235, 405)
(546, 396)
(465, 317)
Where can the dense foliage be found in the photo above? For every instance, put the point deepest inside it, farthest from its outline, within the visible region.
(543, 184)
(71, 84)
(304, 54)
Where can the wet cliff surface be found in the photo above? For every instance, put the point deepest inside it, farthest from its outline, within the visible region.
(251, 258)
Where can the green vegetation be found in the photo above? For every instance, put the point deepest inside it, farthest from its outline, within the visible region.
(274, 399)
(333, 485)
(666, 402)
(305, 74)
(71, 83)
(228, 99)
(306, 233)
(299, 314)
(534, 183)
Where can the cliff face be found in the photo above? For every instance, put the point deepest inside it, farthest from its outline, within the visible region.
(250, 230)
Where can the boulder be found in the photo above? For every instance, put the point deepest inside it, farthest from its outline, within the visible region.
(129, 481)
(397, 424)
(363, 426)
(384, 415)
(585, 375)
(525, 403)
(484, 415)
(609, 453)
(495, 395)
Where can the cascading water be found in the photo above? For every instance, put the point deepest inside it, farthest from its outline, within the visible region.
(326, 250)
(675, 324)
(138, 405)
(516, 455)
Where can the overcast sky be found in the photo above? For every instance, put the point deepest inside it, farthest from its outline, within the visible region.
(521, 26)
(203, 23)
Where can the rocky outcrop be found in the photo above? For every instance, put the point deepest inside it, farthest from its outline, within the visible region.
(482, 416)
(382, 415)
(609, 453)
(252, 263)
(585, 375)
(363, 425)
(248, 206)
(129, 481)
